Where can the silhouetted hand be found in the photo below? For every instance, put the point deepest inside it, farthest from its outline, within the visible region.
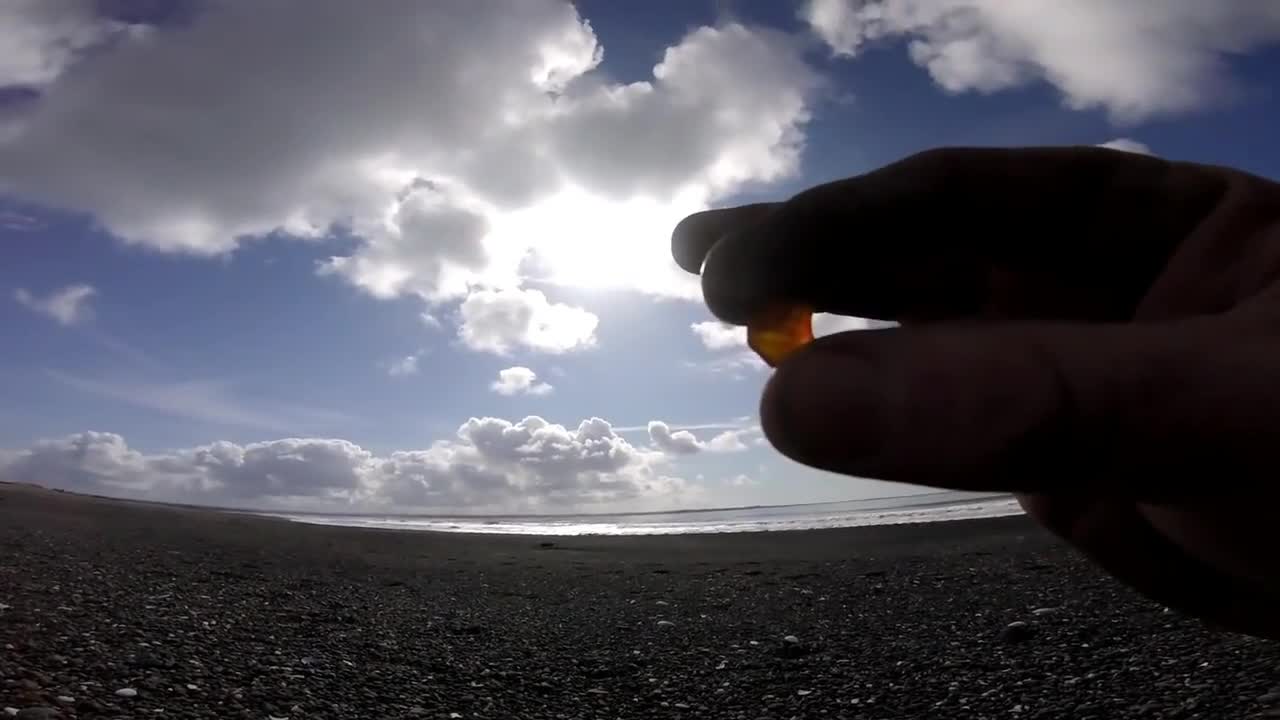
(1096, 331)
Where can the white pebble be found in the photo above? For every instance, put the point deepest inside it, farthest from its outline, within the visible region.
(126, 693)
(802, 693)
(191, 686)
(665, 623)
(11, 711)
(791, 639)
(65, 699)
(662, 602)
(1045, 611)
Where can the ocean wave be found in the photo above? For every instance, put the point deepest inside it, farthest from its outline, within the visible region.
(765, 519)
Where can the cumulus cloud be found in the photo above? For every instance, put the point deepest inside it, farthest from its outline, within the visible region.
(306, 470)
(716, 335)
(465, 147)
(680, 442)
(1134, 59)
(1127, 145)
(66, 306)
(519, 381)
(684, 442)
(499, 320)
(490, 464)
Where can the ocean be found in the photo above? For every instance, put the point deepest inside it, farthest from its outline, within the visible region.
(928, 507)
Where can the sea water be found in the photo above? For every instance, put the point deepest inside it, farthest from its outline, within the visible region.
(928, 507)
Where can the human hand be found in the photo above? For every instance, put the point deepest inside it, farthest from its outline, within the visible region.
(1093, 330)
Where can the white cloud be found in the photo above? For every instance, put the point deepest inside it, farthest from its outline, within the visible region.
(67, 306)
(41, 38)
(728, 441)
(498, 320)
(519, 381)
(1134, 59)
(467, 147)
(1127, 145)
(716, 335)
(490, 464)
(680, 442)
(430, 320)
(407, 365)
(684, 442)
(719, 337)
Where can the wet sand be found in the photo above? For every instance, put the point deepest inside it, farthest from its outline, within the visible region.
(204, 614)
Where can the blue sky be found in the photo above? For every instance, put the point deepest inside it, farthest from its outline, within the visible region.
(173, 194)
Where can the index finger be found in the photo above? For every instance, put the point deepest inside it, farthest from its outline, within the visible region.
(1052, 233)
(693, 236)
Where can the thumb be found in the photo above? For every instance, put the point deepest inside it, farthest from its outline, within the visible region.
(1112, 409)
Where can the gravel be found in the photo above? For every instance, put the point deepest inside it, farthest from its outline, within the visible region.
(212, 615)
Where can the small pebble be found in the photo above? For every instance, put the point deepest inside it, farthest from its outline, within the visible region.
(791, 639)
(665, 623)
(66, 699)
(1016, 632)
(126, 693)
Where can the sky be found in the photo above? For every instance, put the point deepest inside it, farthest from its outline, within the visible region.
(302, 255)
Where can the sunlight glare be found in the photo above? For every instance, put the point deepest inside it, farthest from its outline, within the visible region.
(585, 241)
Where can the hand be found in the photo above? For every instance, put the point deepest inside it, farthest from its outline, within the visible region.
(1095, 331)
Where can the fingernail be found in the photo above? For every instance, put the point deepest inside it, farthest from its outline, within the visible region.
(823, 408)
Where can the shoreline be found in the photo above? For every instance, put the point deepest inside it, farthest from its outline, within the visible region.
(208, 614)
(906, 532)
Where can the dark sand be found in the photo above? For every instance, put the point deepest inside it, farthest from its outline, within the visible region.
(217, 615)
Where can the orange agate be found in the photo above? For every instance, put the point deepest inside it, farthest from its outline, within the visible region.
(777, 333)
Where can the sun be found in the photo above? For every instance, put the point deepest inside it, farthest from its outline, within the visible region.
(580, 240)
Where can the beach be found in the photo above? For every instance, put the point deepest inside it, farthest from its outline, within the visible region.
(120, 609)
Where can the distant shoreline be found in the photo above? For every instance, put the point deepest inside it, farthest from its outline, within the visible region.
(502, 516)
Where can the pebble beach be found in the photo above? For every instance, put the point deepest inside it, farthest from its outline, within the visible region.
(127, 610)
